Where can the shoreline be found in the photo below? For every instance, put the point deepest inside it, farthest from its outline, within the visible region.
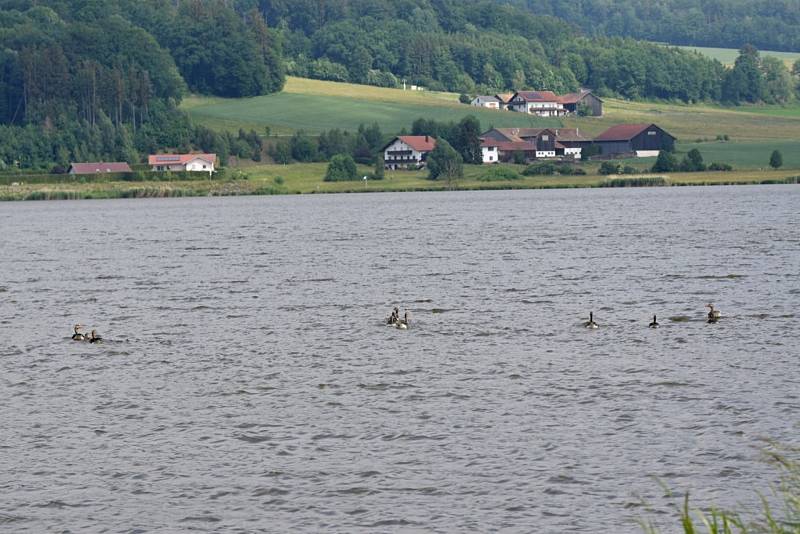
(268, 181)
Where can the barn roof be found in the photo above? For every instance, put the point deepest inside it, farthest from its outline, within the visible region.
(179, 159)
(509, 146)
(574, 98)
(99, 167)
(486, 98)
(537, 96)
(625, 132)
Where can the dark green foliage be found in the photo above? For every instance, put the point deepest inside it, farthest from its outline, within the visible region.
(341, 168)
(776, 159)
(281, 152)
(744, 83)
(303, 148)
(644, 181)
(692, 162)
(609, 167)
(540, 169)
(627, 169)
(379, 168)
(496, 174)
(444, 163)
(665, 162)
(464, 99)
(519, 158)
(589, 151)
(480, 46)
(569, 170)
(720, 167)
(463, 137)
(83, 81)
(768, 24)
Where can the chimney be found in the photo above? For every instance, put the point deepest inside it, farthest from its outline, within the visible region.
(426, 138)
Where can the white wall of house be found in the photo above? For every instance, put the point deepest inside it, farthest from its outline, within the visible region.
(490, 103)
(393, 161)
(574, 152)
(647, 153)
(545, 153)
(490, 154)
(198, 164)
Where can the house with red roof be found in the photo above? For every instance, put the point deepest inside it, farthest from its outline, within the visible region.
(183, 162)
(408, 151)
(100, 167)
(540, 103)
(639, 140)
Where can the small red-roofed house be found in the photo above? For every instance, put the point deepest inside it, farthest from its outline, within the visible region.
(183, 162)
(100, 167)
(408, 151)
(591, 102)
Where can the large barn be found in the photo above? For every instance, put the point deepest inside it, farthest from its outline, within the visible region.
(640, 140)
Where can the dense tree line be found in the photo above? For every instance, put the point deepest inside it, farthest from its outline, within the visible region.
(102, 79)
(768, 24)
(470, 47)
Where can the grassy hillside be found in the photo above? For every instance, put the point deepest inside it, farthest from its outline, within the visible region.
(314, 106)
(727, 56)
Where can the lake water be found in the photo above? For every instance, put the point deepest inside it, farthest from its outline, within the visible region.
(248, 383)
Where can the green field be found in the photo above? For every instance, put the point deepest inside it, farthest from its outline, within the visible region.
(727, 56)
(308, 178)
(315, 106)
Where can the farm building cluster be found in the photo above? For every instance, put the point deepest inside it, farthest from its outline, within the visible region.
(544, 103)
(530, 144)
(157, 163)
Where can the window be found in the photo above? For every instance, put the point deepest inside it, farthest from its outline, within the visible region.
(651, 132)
(545, 138)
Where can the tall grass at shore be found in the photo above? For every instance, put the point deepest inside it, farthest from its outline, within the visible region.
(769, 520)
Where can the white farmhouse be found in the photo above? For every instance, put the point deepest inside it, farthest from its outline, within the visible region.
(408, 151)
(540, 103)
(183, 162)
(484, 101)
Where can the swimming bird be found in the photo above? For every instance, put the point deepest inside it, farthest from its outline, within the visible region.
(78, 336)
(94, 338)
(393, 318)
(591, 323)
(402, 324)
(654, 324)
(713, 315)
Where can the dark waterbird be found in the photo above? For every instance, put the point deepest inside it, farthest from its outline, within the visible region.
(654, 324)
(590, 323)
(78, 336)
(713, 315)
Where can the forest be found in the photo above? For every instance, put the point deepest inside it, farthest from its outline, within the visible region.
(103, 79)
(766, 24)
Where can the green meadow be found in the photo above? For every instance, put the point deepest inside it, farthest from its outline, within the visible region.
(314, 106)
(727, 56)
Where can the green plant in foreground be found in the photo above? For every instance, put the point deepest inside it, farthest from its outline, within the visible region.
(786, 521)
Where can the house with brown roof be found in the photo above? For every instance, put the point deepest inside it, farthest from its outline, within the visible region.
(640, 140)
(183, 162)
(408, 151)
(100, 167)
(585, 99)
(540, 103)
(500, 144)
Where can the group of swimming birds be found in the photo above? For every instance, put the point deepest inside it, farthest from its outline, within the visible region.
(713, 316)
(80, 336)
(395, 320)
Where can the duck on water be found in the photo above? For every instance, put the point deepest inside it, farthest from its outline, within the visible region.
(654, 324)
(395, 320)
(590, 323)
(80, 336)
(713, 315)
